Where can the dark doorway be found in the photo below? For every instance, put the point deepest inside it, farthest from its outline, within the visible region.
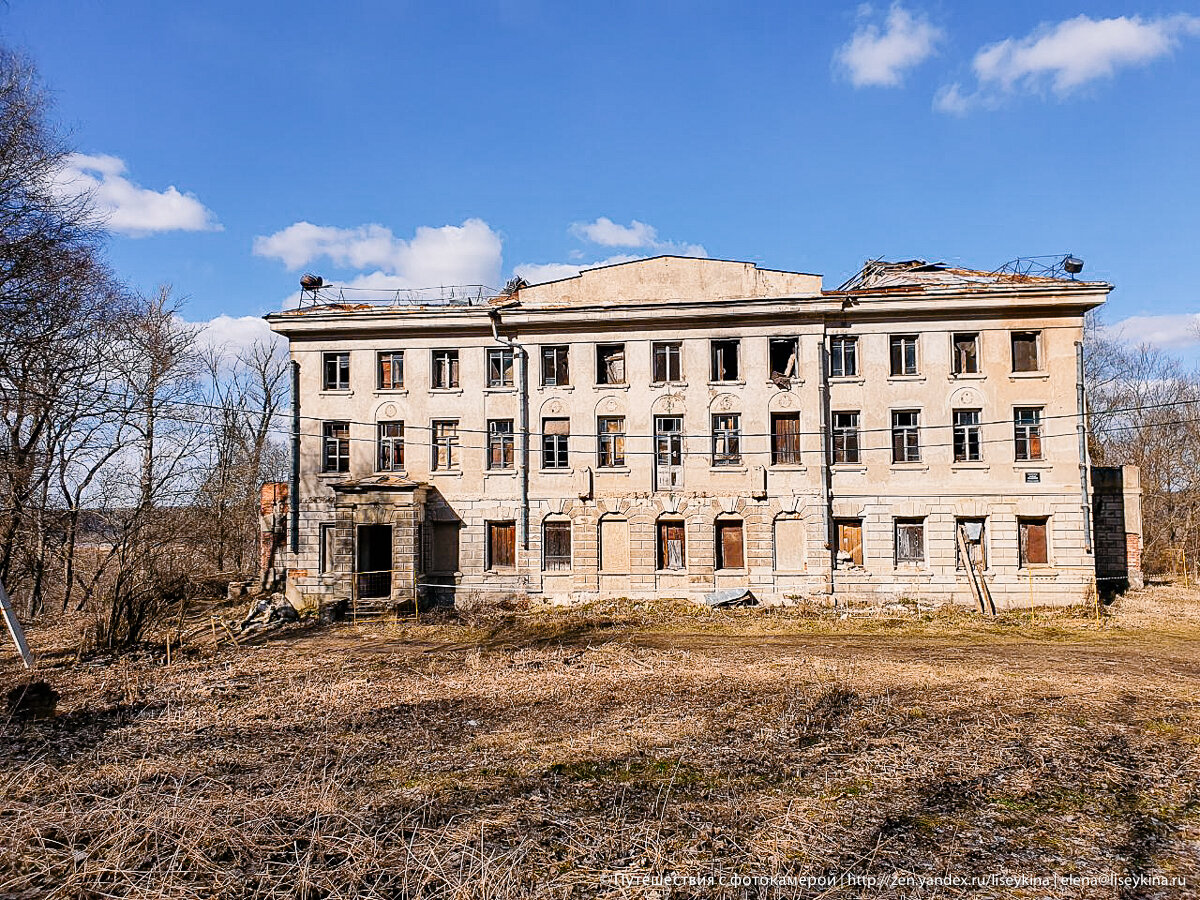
(374, 571)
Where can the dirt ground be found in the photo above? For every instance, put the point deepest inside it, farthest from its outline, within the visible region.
(612, 750)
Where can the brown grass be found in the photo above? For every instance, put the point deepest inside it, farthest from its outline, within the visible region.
(549, 753)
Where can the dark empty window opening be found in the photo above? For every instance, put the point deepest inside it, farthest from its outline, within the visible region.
(555, 370)
(910, 542)
(971, 534)
(500, 368)
(390, 374)
(966, 354)
(1025, 351)
(670, 545)
(904, 354)
(785, 439)
(725, 360)
(610, 364)
(1033, 549)
(445, 369)
(785, 356)
(730, 554)
(666, 358)
(556, 546)
(501, 545)
(337, 371)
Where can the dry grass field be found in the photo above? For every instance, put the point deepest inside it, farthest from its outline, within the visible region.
(595, 752)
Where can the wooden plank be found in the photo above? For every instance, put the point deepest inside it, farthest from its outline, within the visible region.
(731, 545)
(15, 629)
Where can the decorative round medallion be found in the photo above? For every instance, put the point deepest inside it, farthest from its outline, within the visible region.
(725, 404)
(968, 396)
(785, 401)
(610, 405)
(389, 410)
(554, 408)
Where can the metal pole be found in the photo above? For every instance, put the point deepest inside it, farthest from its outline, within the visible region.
(294, 495)
(831, 542)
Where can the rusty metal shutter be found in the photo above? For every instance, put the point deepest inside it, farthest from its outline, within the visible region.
(1033, 542)
(729, 545)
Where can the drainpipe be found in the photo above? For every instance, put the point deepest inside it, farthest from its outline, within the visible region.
(1084, 462)
(826, 456)
(294, 494)
(523, 402)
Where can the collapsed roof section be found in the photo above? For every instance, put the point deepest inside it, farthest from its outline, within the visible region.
(917, 275)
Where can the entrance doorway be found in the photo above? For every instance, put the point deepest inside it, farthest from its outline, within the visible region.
(374, 571)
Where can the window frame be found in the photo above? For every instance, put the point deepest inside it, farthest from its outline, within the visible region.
(794, 359)
(558, 562)
(1036, 343)
(491, 564)
(504, 375)
(447, 376)
(906, 438)
(784, 455)
(501, 445)
(610, 444)
(899, 524)
(326, 532)
(389, 447)
(838, 525)
(846, 445)
(556, 446)
(1027, 435)
(556, 365)
(726, 439)
(392, 356)
(967, 443)
(603, 354)
(1023, 524)
(718, 357)
(662, 549)
(337, 461)
(670, 354)
(956, 358)
(336, 378)
(843, 355)
(444, 435)
(721, 564)
(899, 346)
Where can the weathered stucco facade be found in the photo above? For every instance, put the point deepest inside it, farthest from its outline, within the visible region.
(673, 427)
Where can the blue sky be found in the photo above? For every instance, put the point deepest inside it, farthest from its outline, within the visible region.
(236, 145)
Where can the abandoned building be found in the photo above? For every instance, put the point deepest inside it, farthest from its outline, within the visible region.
(675, 427)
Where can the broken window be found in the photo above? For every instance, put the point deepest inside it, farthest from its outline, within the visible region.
(845, 437)
(727, 439)
(910, 542)
(725, 360)
(965, 354)
(666, 361)
(500, 443)
(556, 545)
(336, 367)
(335, 449)
(500, 367)
(1032, 533)
(906, 441)
(966, 435)
(555, 371)
(325, 546)
(445, 444)
(729, 544)
(670, 545)
(904, 354)
(555, 435)
(391, 446)
(501, 545)
(972, 534)
(389, 370)
(843, 356)
(849, 543)
(784, 357)
(445, 369)
(443, 537)
(789, 543)
(610, 364)
(785, 439)
(611, 431)
(1025, 355)
(1027, 428)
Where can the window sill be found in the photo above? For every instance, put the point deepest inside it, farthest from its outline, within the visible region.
(969, 466)
(741, 571)
(336, 392)
(493, 473)
(446, 473)
(792, 382)
(847, 379)
(391, 392)
(624, 386)
(910, 568)
(659, 385)
(333, 474)
(402, 473)
(670, 571)
(555, 387)
(966, 376)
(789, 467)
(612, 470)
(910, 467)
(904, 379)
(556, 471)
(500, 389)
(731, 469)
(1040, 375)
(1023, 465)
(453, 390)
(848, 468)
(737, 382)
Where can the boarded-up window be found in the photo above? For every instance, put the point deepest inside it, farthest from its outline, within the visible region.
(1033, 542)
(785, 439)
(610, 364)
(443, 537)
(614, 545)
(789, 544)
(501, 545)
(849, 542)
(729, 545)
(910, 542)
(390, 375)
(556, 546)
(971, 534)
(965, 354)
(1025, 351)
(670, 545)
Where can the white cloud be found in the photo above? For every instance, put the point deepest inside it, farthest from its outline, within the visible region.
(1064, 56)
(452, 254)
(228, 336)
(126, 207)
(1172, 330)
(875, 57)
(607, 233)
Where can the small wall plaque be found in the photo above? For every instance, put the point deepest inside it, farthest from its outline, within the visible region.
(1033, 477)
